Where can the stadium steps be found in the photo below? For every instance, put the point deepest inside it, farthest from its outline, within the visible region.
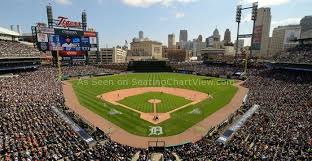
(156, 157)
(136, 156)
(176, 156)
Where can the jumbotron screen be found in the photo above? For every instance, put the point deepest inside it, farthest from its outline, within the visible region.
(67, 43)
(68, 40)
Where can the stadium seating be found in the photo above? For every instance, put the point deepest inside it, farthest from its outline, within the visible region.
(9, 49)
(30, 130)
(302, 54)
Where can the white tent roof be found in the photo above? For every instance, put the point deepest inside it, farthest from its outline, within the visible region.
(8, 32)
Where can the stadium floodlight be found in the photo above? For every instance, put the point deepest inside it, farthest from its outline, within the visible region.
(50, 15)
(84, 20)
(254, 11)
(238, 13)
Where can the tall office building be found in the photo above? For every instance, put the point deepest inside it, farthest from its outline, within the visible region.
(306, 27)
(262, 33)
(141, 35)
(145, 50)
(200, 38)
(216, 39)
(183, 35)
(227, 37)
(216, 35)
(113, 55)
(283, 37)
(171, 41)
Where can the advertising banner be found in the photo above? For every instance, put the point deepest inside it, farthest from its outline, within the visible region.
(65, 32)
(256, 44)
(43, 46)
(291, 36)
(71, 53)
(89, 34)
(93, 40)
(55, 43)
(45, 30)
(85, 44)
(42, 37)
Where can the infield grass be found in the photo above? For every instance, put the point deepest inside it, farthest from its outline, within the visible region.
(168, 102)
(221, 90)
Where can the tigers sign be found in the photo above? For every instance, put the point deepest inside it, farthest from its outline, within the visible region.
(64, 22)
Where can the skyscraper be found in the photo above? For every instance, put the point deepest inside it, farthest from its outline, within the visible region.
(306, 27)
(171, 41)
(200, 38)
(141, 35)
(216, 35)
(227, 37)
(216, 39)
(183, 35)
(262, 33)
(281, 38)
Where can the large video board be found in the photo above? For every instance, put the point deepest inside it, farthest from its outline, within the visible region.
(73, 41)
(66, 43)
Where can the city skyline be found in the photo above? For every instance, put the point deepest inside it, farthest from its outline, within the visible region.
(121, 20)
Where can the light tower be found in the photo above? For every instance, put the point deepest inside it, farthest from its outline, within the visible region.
(84, 20)
(239, 9)
(50, 16)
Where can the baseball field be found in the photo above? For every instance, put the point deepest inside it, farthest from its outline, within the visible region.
(181, 97)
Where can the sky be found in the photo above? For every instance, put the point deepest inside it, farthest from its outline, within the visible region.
(120, 20)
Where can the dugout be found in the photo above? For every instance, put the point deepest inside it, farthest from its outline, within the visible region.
(156, 146)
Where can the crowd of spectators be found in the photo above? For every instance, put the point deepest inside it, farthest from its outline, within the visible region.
(279, 130)
(166, 155)
(13, 49)
(30, 130)
(209, 70)
(73, 71)
(116, 66)
(301, 54)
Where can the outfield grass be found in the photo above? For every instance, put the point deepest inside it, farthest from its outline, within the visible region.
(221, 90)
(168, 102)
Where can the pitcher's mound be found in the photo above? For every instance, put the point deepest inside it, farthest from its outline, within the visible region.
(154, 101)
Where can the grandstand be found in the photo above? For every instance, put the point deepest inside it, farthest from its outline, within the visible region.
(15, 55)
(30, 129)
(301, 54)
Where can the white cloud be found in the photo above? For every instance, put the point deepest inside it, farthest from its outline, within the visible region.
(64, 2)
(179, 14)
(148, 3)
(265, 3)
(288, 21)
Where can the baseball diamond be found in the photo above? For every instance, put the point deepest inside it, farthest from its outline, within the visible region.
(179, 95)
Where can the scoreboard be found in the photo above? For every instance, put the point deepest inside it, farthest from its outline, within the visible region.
(68, 42)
